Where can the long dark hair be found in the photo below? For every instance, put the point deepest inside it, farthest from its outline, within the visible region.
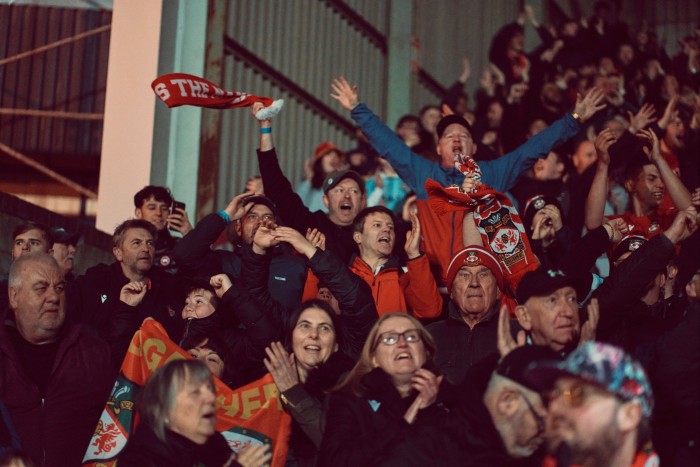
(296, 314)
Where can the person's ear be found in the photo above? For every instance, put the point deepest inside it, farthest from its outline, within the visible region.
(507, 402)
(363, 201)
(523, 316)
(629, 185)
(325, 201)
(335, 348)
(357, 237)
(238, 228)
(629, 416)
(138, 213)
(12, 297)
(118, 254)
(375, 364)
(474, 148)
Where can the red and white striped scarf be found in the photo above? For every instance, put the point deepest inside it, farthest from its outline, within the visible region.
(496, 219)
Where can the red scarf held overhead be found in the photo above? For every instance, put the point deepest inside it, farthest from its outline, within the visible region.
(496, 219)
(176, 89)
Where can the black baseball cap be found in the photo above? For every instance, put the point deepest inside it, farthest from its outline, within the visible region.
(449, 120)
(259, 199)
(515, 365)
(543, 281)
(339, 175)
(61, 235)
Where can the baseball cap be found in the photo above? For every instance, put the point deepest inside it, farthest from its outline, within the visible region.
(600, 364)
(473, 256)
(543, 281)
(259, 199)
(61, 235)
(516, 364)
(339, 175)
(628, 243)
(536, 203)
(449, 120)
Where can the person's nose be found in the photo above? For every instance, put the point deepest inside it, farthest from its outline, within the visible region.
(569, 308)
(52, 295)
(210, 395)
(474, 281)
(313, 333)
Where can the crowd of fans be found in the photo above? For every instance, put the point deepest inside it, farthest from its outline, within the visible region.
(512, 279)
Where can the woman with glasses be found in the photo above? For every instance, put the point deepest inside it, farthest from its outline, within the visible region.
(386, 398)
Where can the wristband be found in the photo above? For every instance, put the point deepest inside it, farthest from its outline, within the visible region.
(577, 117)
(265, 131)
(224, 215)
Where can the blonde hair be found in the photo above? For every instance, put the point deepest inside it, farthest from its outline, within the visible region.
(364, 364)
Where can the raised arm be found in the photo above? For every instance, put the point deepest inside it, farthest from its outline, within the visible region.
(501, 174)
(675, 187)
(595, 203)
(413, 169)
(357, 309)
(193, 253)
(420, 289)
(277, 186)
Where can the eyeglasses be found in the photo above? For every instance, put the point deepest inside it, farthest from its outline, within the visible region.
(573, 397)
(538, 418)
(391, 338)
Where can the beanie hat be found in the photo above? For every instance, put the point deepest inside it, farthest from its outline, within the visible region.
(473, 256)
(324, 148)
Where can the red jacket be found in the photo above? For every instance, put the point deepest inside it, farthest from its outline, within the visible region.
(394, 290)
(56, 430)
(442, 236)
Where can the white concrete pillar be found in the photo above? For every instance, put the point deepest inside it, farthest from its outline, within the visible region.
(144, 142)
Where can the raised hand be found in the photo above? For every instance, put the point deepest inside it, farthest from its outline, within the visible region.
(254, 455)
(179, 221)
(504, 339)
(466, 70)
(281, 366)
(237, 208)
(670, 112)
(316, 238)
(684, 225)
(591, 103)
(221, 283)
(344, 93)
(655, 152)
(641, 119)
(470, 183)
(427, 385)
(264, 238)
(413, 238)
(602, 143)
(254, 109)
(296, 240)
(618, 228)
(589, 327)
(133, 292)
